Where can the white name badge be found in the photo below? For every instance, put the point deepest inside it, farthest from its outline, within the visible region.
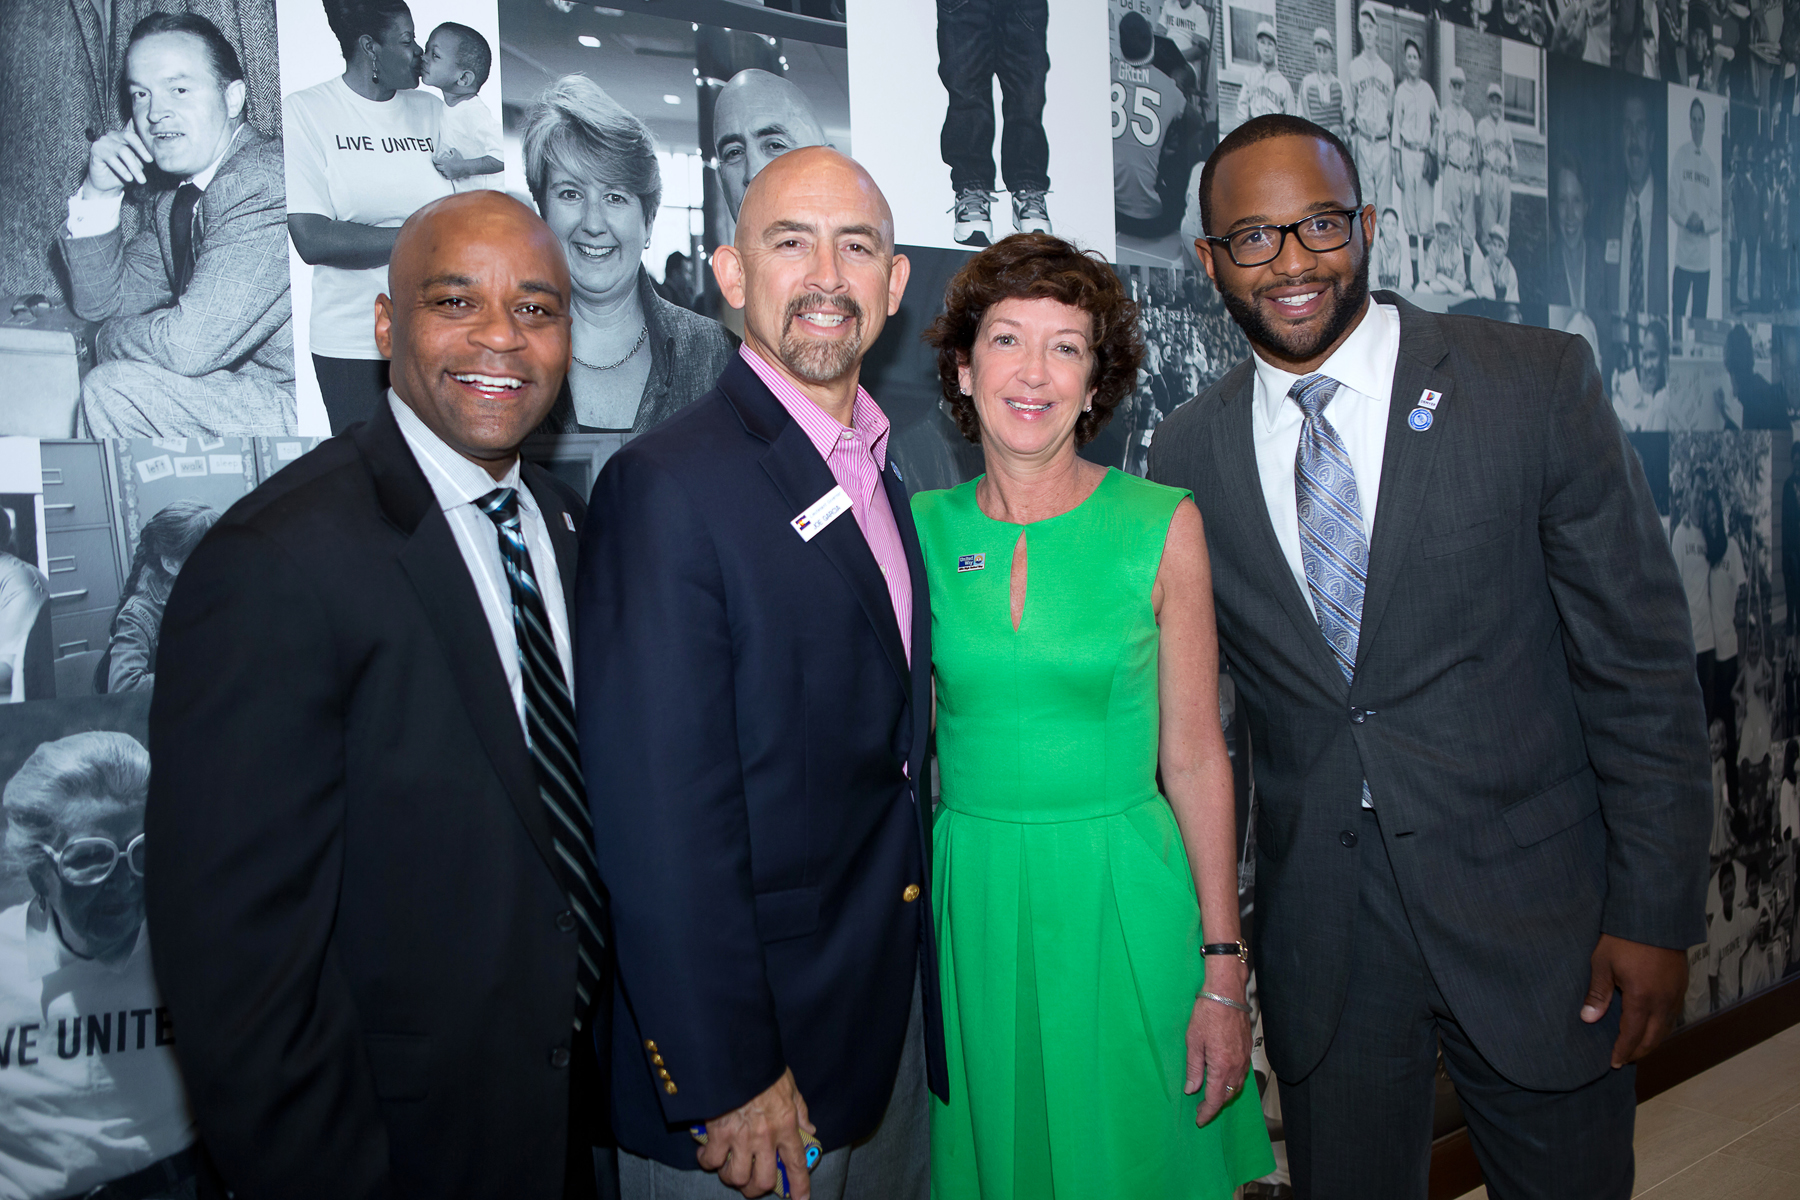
(820, 513)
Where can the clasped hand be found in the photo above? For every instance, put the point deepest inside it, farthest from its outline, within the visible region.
(741, 1145)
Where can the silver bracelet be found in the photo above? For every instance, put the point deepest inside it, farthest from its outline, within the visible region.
(1228, 1002)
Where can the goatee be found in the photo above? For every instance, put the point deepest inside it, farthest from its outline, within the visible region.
(1347, 303)
(815, 361)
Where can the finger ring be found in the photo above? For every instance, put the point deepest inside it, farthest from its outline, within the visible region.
(1229, 1089)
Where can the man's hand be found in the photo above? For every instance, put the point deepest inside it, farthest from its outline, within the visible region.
(1218, 1040)
(1653, 980)
(450, 163)
(741, 1145)
(1696, 223)
(114, 160)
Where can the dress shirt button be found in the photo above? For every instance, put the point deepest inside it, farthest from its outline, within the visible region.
(911, 893)
(670, 1088)
(1359, 715)
(1347, 837)
(559, 1057)
(565, 921)
(849, 434)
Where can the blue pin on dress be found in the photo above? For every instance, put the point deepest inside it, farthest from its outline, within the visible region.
(814, 1152)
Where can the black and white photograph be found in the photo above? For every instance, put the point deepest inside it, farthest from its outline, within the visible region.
(635, 138)
(1761, 118)
(89, 1090)
(25, 642)
(1004, 129)
(143, 263)
(1189, 342)
(1582, 29)
(1165, 121)
(1696, 208)
(1608, 268)
(369, 92)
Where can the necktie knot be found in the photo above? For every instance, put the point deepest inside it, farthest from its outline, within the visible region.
(501, 506)
(1313, 392)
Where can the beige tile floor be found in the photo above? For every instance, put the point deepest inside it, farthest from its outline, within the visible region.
(1731, 1133)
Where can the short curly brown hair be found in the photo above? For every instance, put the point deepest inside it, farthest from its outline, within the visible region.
(1036, 266)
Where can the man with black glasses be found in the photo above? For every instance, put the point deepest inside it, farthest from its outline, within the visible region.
(1464, 652)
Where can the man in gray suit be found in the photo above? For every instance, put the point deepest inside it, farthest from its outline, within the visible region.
(1464, 653)
(197, 333)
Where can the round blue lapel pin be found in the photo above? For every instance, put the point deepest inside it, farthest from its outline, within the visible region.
(1420, 419)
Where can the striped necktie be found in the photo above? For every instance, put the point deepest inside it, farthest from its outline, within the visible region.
(550, 736)
(1332, 546)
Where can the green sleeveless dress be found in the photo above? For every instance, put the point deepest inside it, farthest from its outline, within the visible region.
(1068, 928)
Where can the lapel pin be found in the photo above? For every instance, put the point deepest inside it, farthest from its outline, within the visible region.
(897, 474)
(1429, 399)
(972, 562)
(569, 521)
(1419, 419)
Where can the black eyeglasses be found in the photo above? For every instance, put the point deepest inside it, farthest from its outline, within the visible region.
(1319, 232)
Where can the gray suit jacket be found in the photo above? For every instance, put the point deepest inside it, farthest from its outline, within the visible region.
(1525, 707)
(235, 315)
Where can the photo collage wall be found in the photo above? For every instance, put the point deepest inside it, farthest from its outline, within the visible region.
(192, 235)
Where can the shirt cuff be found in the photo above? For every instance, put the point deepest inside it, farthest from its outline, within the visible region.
(93, 217)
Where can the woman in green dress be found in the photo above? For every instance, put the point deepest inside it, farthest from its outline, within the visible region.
(1094, 1051)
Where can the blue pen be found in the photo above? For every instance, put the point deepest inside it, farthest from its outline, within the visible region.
(814, 1152)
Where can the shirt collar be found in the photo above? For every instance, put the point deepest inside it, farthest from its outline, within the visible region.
(867, 421)
(1364, 363)
(454, 480)
(203, 179)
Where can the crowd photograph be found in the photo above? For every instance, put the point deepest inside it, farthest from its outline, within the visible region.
(980, 599)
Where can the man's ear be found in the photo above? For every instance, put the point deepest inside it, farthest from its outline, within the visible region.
(465, 79)
(728, 269)
(234, 99)
(898, 273)
(384, 325)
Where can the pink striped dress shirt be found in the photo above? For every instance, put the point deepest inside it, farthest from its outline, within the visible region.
(856, 457)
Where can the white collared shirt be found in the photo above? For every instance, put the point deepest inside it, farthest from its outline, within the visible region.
(458, 484)
(1364, 369)
(93, 216)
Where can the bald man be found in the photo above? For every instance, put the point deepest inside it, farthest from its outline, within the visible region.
(757, 118)
(378, 929)
(752, 584)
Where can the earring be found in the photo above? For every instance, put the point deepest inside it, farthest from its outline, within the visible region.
(1088, 407)
(374, 74)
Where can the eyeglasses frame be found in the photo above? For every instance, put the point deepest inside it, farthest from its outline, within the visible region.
(119, 855)
(1292, 227)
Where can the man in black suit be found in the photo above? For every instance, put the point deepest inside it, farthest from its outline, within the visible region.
(377, 918)
(754, 682)
(1465, 656)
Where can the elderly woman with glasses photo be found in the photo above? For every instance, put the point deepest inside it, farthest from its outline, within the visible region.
(89, 1089)
(638, 359)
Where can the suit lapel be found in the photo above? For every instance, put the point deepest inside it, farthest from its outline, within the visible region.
(557, 520)
(1406, 459)
(802, 477)
(1234, 459)
(434, 564)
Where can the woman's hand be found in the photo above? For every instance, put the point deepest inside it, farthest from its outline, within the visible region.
(1218, 1047)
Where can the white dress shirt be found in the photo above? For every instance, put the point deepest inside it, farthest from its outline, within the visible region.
(1364, 369)
(458, 484)
(93, 216)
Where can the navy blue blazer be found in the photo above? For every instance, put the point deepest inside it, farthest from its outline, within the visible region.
(753, 737)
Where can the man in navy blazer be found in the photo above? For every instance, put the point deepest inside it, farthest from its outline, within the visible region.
(753, 679)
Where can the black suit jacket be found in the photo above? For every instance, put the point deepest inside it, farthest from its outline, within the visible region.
(1524, 708)
(752, 736)
(358, 914)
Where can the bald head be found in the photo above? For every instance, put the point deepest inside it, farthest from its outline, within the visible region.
(757, 118)
(814, 175)
(476, 322)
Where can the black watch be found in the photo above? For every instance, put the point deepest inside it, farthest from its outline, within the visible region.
(1240, 949)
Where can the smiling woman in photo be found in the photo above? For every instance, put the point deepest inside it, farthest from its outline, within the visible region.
(638, 358)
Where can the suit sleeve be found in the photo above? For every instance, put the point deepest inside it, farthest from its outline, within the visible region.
(110, 277)
(238, 297)
(657, 703)
(247, 802)
(1630, 651)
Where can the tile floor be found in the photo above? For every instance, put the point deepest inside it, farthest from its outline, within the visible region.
(1731, 1133)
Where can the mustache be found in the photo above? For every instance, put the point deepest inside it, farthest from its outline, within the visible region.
(814, 301)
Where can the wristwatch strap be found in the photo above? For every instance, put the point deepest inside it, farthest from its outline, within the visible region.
(1238, 949)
